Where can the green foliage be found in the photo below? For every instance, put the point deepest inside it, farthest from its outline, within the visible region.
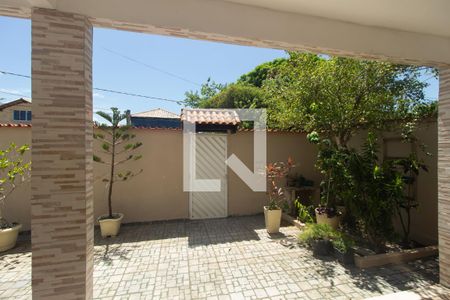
(305, 213)
(410, 168)
(236, 96)
(258, 76)
(342, 242)
(336, 96)
(332, 163)
(209, 89)
(117, 145)
(14, 170)
(314, 231)
(247, 92)
(376, 189)
(330, 95)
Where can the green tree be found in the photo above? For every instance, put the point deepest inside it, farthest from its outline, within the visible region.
(209, 89)
(117, 145)
(336, 96)
(236, 96)
(260, 73)
(246, 92)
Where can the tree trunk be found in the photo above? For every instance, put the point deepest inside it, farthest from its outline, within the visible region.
(111, 179)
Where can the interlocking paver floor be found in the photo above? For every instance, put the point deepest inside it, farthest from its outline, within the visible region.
(231, 258)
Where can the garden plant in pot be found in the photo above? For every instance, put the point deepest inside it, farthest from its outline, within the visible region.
(319, 238)
(343, 248)
(324, 240)
(272, 213)
(117, 148)
(331, 162)
(14, 170)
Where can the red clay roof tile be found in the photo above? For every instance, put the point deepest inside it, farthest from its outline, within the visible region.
(210, 116)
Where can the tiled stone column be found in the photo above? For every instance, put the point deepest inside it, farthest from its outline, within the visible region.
(62, 178)
(444, 176)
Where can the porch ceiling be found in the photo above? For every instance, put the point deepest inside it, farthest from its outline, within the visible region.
(429, 17)
(409, 31)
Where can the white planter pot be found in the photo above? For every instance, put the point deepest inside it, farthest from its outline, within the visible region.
(8, 237)
(273, 219)
(323, 219)
(110, 227)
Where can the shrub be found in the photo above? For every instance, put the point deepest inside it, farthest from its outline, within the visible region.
(305, 213)
(275, 172)
(13, 172)
(342, 242)
(376, 190)
(314, 232)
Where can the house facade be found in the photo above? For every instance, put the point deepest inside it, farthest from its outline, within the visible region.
(15, 112)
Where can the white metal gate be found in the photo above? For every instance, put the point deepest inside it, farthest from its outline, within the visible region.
(211, 153)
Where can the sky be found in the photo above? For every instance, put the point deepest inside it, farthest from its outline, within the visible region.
(151, 65)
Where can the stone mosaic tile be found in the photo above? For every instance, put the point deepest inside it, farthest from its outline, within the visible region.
(231, 258)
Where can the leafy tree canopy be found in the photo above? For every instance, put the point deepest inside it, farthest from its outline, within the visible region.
(332, 96)
(245, 93)
(236, 96)
(198, 98)
(336, 96)
(257, 76)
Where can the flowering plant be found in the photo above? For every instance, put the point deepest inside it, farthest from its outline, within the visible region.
(275, 172)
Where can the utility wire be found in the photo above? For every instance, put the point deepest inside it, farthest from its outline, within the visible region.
(15, 74)
(138, 95)
(13, 94)
(150, 66)
(179, 102)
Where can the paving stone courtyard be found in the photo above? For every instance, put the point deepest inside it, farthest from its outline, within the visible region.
(231, 258)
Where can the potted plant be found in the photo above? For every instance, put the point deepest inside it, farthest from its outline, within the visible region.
(117, 148)
(328, 215)
(319, 238)
(343, 248)
(272, 213)
(332, 164)
(13, 172)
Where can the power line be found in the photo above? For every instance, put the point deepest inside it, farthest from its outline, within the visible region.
(179, 102)
(13, 94)
(138, 95)
(150, 66)
(15, 74)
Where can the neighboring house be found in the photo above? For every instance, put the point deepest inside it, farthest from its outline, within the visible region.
(17, 111)
(156, 118)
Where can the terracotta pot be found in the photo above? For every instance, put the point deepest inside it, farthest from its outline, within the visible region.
(273, 219)
(323, 219)
(110, 227)
(8, 237)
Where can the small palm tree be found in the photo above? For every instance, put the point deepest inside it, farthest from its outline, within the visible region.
(115, 141)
